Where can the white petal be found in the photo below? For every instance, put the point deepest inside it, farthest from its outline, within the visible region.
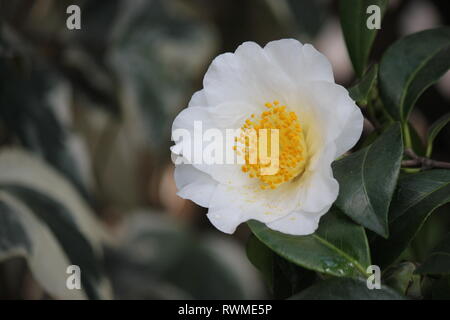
(298, 223)
(337, 114)
(302, 63)
(318, 66)
(222, 117)
(320, 189)
(229, 115)
(198, 99)
(186, 118)
(351, 132)
(194, 185)
(232, 115)
(248, 75)
(185, 121)
(225, 220)
(231, 206)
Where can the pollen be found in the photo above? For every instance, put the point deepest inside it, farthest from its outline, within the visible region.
(291, 146)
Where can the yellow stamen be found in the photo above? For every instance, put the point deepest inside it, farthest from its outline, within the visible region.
(291, 146)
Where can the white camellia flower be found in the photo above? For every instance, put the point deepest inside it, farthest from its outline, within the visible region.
(286, 86)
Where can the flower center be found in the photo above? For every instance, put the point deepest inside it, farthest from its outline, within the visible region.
(285, 146)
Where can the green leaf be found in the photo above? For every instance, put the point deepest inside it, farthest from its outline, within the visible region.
(429, 236)
(346, 289)
(434, 131)
(283, 277)
(299, 278)
(401, 277)
(362, 90)
(358, 37)
(338, 247)
(438, 262)
(417, 143)
(417, 196)
(261, 257)
(367, 180)
(410, 66)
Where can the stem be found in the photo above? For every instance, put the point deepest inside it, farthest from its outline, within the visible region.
(429, 150)
(407, 136)
(411, 170)
(423, 162)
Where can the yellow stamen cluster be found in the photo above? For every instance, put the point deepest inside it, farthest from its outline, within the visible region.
(291, 145)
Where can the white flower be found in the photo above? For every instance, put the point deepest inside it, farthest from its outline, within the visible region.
(288, 86)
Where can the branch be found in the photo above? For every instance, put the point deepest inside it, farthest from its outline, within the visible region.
(422, 162)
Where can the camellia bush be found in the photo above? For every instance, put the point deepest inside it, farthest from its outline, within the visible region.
(358, 208)
(389, 184)
(329, 223)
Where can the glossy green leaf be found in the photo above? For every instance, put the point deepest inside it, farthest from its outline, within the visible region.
(281, 285)
(417, 196)
(338, 247)
(367, 180)
(410, 66)
(429, 236)
(299, 278)
(401, 277)
(261, 257)
(358, 37)
(361, 91)
(346, 289)
(283, 277)
(417, 143)
(438, 262)
(434, 131)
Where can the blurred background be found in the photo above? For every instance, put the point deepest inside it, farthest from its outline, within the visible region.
(85, 118)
